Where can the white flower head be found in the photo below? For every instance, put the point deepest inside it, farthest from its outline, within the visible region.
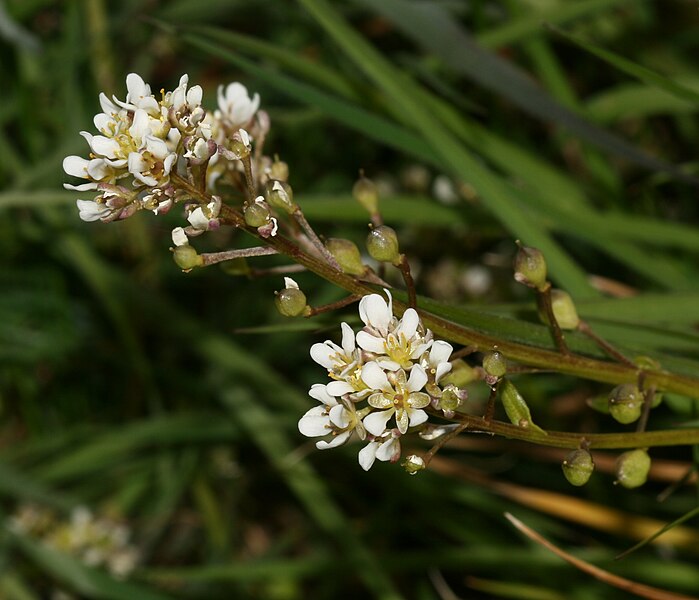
(397, 343)
(436, 362)
(395, 394)
(236, 108)
(205, 217)
(385, 448)
(338, 420)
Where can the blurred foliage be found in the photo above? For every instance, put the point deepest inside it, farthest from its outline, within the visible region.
(171, 400)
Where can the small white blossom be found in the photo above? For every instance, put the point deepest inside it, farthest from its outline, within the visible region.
(397, 395)
(92, 211)
(386, 448)
(396, 343)
(336, 419)
(205, 217)
(437, 361)
(236, 108)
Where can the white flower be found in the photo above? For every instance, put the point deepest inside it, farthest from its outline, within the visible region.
(386, 448)
(236, 108)
(338, 360)
(179, 237)
(90, 210)
(397, 343)
(205, 217)
(334, 418)
(437, 361)
(395, 394)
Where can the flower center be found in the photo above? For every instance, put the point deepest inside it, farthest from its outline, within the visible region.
(398, 349)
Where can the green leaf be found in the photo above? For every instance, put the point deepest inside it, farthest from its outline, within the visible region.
(401, 92)
(434, 29)
(631, 68)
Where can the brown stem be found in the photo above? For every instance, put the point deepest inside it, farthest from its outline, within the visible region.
(544, 298)
(404, 267)
(442, 441)
(333, 305)
(247, 165)
(490, 408)
(320, 246)
(585, 328)
(648, 396)
(470, 349)
(211, 258)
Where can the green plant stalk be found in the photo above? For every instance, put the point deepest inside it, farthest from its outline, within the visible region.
(572, 364)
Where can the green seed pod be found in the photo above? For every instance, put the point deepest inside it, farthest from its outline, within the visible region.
(516, 407)
(563, 309)
(530, 267)
(382, 244)
(494, 364)
(187, 257)
(577, 467)
(413, 464)
(280, 195)
(632, 468)
(347, 255)
(450, 399)
(365, 192)
(257, 213)
(291, 301)
(625, 403)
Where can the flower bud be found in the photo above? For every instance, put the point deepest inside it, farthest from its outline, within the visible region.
(413, 464)
(632, 468)
(626, 403)
(240, 145)
(291, 301)
(347, 255)
(563, 310)
(494, 365)
(257, 213)
(577, 467)
(382, 244)
(279, 170)
(186, 257)
(530, 267)
(280, 195)
(365, 192)
(516, 407)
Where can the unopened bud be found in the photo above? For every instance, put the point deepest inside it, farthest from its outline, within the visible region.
(632, 468)
(347, 255)
(516, 407)
(530, 267)
(291, 301)
(413, 464)
(577, 467)
(382, 244)
(563, 310)
(280, 195)
(494, 365)
(626, 403)
(256, 213)
(279, 170)
(365, 192)
(187, 257)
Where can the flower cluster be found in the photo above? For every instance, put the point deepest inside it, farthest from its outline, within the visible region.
(96, 541)
(382, 379)
(143, 141)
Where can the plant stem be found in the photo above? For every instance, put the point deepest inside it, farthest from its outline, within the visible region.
(544, 298)
(211, 258)
(585, 328)
(319, 245)
(533, 356)
(333, 305)
(404, 267)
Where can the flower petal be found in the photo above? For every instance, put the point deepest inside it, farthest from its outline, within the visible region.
(374, 312)
(315, 422)
(371, 343)
(408, 324)
(319, 392)
(76, 166)
(389, 450)
(440, 352)
(367, 455)
(375, 423)
(340, 416)
(417, 416)
(375, 377)
(322, 353)
(417, 379)
(335, 441)
(348, 344)
(339, 388)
